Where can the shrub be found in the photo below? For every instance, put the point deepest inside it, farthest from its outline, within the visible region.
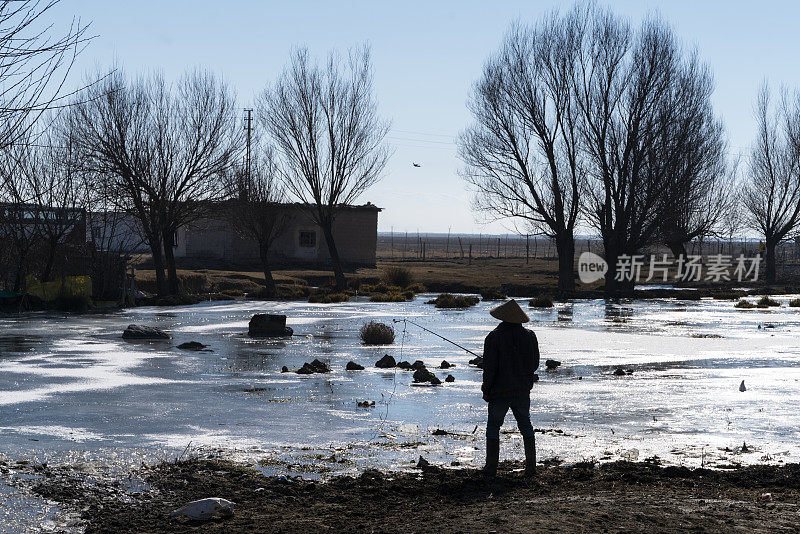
(447, 300)
(374, 333)
(794, 303)
(542, 301)
(744, 304)
(492, 293)
(397, 276)
(766, 302)
(328, 298)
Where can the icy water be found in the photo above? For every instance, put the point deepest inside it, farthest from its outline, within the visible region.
(71, 390)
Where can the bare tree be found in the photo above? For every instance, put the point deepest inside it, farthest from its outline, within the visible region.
(47, 165)
(700, 188)
(522, 155)
(255, 209)
(772, 194)
(34, 64)
(329, 138)
(17, 219)
(164, 150)
(641, 102)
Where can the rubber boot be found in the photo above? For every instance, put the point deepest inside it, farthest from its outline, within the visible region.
(492, 457)
(530, 455)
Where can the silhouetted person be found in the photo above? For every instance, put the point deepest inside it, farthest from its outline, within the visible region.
(510, 359)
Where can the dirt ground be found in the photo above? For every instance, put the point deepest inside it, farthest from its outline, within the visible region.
(616, 497)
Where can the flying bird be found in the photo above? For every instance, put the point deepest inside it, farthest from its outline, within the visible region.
(415, 164)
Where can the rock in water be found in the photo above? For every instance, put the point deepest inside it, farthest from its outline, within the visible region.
(417, 365)
(423, 375)
(314, 367)
(320, 366)
(192, 345)
(138, 331)
(366, 404)
(404, 365)
(268, 325)
(284, 369)
(353, 366)
(619, 372)
(204, 509)
(477, 362)
(742, 387)
(422, 463)
(386, 362)
(450, 378)
(446, 365)
(551, 365)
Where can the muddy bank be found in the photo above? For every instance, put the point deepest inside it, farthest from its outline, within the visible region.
(621, 496)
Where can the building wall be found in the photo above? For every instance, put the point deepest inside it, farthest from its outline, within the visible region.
(355, 232)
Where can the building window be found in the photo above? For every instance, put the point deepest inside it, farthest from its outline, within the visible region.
(308, 239)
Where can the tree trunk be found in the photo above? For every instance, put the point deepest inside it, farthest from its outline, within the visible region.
(172, 272)
(270, 290)
(158, 265)
(769, 261)
(565, 248)
(48, 267)
(615, 288)
(336, 263)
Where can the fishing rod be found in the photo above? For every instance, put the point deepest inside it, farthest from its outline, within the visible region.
(437, 335)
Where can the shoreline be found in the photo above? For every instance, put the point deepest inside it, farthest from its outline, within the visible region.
(635, 497)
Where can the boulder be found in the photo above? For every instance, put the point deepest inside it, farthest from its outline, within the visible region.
(284, 369)
(478, 362)
(192, 345)
(417, 365)
(423, 375)
(205, 509)
(306, 369)
(314, 367)
(353, 366)
(619, 371)
(386, 362)
(446, 365)
(404, 365)
(552, 365)
(450, 378)
(422, 463)
(366, 404)
(268, 325)
(138, 331)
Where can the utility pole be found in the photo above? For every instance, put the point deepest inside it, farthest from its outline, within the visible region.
(248, 127)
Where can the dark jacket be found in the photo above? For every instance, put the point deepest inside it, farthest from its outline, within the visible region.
(510, 359)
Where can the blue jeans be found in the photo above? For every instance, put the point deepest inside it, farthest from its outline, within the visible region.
(520, 407)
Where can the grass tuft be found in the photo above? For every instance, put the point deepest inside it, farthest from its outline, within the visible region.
(374, 333)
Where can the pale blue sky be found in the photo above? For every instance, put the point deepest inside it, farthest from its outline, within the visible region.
(426, 56)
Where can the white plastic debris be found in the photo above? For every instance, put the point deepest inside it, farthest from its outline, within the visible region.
(205, 509)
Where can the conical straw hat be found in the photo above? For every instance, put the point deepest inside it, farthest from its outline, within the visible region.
(510, 312)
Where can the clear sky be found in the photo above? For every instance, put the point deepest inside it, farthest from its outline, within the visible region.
(426, 55)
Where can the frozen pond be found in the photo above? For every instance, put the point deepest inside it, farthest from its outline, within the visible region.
(71, 387)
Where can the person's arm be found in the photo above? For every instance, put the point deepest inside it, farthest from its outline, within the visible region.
(490, 362)
(535, 343)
